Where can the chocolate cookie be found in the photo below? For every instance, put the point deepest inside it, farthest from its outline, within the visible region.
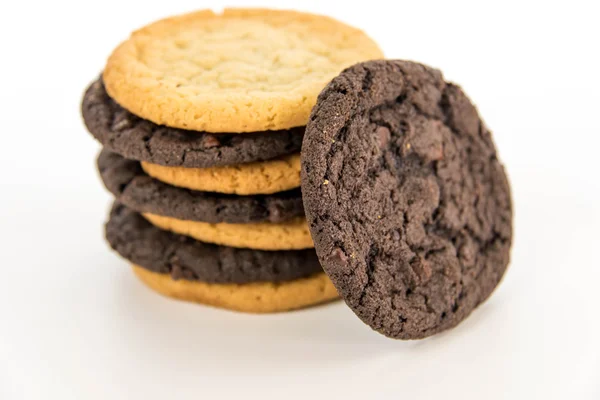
(132, 187)
(138, 139)
(140, 242)
(406, 200)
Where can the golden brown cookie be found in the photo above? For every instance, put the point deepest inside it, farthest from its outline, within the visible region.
(263, 177)
(259, 297)
(288, 235)
(243, 70)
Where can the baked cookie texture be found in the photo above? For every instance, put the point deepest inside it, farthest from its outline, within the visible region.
(202, 118)
(244, 70)
(288, 235)
(126, 180)
(257, 297)
(137, 240)
(135, 138)
(264, 177)
(407, 202)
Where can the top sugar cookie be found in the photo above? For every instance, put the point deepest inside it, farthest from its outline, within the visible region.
(244, 70)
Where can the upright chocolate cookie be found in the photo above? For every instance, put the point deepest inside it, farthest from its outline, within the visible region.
(138, 139)
(132, 187)
(406, 200)
(140, 242)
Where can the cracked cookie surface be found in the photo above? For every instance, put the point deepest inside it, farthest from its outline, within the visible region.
(137, 139)
(134, 188)
(406, 200)
(140, 242)
(243, 70)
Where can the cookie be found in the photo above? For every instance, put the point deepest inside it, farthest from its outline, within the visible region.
(264, 177)
(182, 257)
(243, 70)
(132, 187)
(137, 139)
(406, 200)
(289, 235)
(257, 297)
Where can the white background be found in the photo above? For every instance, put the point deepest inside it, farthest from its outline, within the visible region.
(75, 323)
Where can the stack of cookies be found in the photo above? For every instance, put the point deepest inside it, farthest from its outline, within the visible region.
(211, 124)
(202, 119)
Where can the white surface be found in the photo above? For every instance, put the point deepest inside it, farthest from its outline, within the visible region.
(75, 324)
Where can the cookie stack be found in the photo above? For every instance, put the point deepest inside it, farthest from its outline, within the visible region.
(202, 119)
